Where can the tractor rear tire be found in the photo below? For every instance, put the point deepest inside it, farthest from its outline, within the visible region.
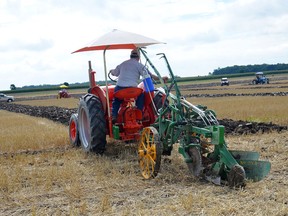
(74, 130)
(92, 124)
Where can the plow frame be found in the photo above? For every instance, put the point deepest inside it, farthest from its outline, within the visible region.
(197, 127)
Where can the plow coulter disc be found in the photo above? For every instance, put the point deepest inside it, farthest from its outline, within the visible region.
(149, 152)
(195, 166)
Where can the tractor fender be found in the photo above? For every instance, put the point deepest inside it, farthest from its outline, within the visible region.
(100, 93)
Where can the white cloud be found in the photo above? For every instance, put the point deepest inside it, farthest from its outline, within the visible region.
(37, 37)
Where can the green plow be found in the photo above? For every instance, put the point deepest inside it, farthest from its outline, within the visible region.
(201, 140)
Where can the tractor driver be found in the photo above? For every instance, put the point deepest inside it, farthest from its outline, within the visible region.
(128, 73)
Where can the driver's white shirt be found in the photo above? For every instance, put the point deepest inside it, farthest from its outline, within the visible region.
(128, 73)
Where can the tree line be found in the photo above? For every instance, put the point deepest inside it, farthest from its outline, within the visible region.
(250, 68)
(236, 69)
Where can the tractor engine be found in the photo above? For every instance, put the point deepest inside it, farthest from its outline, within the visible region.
(130, 118)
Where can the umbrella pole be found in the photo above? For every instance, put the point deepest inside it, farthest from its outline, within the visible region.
(107, 94)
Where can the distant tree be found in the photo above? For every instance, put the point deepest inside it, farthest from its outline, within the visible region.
(12, 87)
(66, 83)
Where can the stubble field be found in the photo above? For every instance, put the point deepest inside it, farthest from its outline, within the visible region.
(41, 174)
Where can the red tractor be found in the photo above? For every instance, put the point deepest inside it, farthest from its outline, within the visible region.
(92, 123)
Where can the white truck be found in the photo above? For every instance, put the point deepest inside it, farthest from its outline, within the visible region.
(224, 81)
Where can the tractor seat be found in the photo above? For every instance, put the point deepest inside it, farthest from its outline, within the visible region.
(130, 92)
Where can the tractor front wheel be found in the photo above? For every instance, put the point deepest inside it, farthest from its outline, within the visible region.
(149, 152)
(92, 124)
(73, 130)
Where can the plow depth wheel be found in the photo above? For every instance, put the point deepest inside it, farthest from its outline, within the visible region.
(149, 152)
(73, 130)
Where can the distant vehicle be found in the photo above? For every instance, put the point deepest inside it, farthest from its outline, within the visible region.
(6, 98)
(224, 81)
(260, 79)
(63, 93)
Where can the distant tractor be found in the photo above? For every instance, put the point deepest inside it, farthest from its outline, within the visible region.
(63, 93)
(224, 81)
(260, 79)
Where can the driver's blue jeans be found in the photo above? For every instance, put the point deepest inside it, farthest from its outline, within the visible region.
(116, 102)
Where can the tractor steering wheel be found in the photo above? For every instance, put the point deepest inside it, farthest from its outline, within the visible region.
(111, 77)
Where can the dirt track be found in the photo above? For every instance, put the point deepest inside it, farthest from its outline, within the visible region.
(62, 115)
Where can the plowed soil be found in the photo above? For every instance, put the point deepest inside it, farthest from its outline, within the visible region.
(62, 115)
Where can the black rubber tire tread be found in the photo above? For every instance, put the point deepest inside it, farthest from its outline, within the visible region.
(75, 142)
(91, 105)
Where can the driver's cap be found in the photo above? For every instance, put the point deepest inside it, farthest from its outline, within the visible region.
(135, 53)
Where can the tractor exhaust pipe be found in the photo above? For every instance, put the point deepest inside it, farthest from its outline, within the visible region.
(91, 75)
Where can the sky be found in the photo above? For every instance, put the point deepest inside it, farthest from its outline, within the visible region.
(38, 37)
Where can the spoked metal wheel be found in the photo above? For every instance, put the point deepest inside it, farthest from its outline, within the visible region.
(195, 166)
(149, 152)
(73, 130)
